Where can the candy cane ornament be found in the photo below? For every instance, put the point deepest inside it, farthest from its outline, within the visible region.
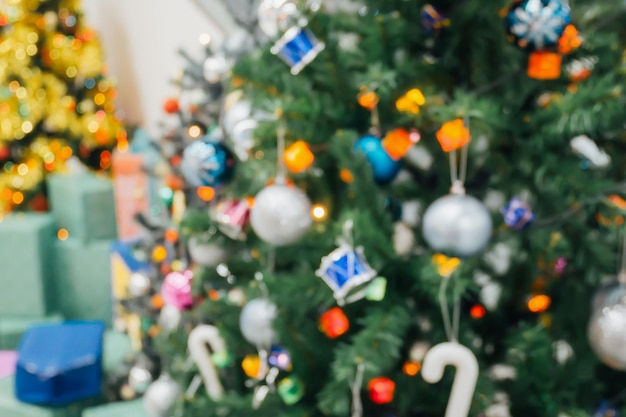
(464, 385)
(198, 340)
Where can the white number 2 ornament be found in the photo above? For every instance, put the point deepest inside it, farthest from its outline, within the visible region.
(464, 385)
(198, 340)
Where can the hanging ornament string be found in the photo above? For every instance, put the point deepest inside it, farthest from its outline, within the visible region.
(281, 169)
(451, 326)
(347, 236)
(621, 275)
(357, 404)
(458, 169)
(368, 99)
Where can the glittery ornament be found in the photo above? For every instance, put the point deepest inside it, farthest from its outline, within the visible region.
(207, 253)
(381, 390)
(161, 395)
(458, 225)
(276, 16)
(291, 390)
(215, 68)
(537, 24)
(139, 284)
(139, 378)
(256, 320)
(232, 217)
(281, 214)
(385, 168)
(176, 289)
(207, 162)
(518, 214)
(607, 326)
(334, 323)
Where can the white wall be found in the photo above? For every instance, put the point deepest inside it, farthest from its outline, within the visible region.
(141, 38)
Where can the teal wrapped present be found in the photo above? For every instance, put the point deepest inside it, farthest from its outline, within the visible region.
(83, 204)
(117, 349)
(13, 328)
(83, 279)
(26, 242)
(121, 409)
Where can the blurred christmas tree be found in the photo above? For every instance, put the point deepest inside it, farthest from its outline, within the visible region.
(55, 100)
(421, 185)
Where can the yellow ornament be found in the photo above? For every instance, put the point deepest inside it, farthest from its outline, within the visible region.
(445, 265)
(251, 366)
(410, 102)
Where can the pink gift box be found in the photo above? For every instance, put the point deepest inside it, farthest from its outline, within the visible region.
(8, 360)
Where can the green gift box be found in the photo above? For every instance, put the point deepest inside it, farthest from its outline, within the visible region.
(12, 329)
(83, 204)
(83, 279)
(133, 408)
(26, 256)
(117, 348)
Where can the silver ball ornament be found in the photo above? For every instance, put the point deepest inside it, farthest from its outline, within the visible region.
(281, 214)
(139, 379)
(256, 320)
(276, 16)
(607, 327)
(458, 225)
(215, 68)
(170, 318)
(235, 113)
(403, 239)
(139, 284)
(242, 137)
(207, 254)
(161, 396)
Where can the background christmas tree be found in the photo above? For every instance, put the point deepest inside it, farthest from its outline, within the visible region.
(372, 127)
(56, 101)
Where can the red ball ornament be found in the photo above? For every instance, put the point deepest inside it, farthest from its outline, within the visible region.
(334, 323)
(381, 390)
(171, 106)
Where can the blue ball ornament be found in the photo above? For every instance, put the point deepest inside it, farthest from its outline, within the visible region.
(537, 24)
(207, 162)
(384, 166)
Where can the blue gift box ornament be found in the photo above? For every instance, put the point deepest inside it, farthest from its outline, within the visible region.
(345, 269)
(518, 214)
(59, 364)
(298, 47)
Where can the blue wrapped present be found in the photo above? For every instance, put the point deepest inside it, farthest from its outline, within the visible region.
(298, 47)
(346, 269)
(60, 363)
(518, 214)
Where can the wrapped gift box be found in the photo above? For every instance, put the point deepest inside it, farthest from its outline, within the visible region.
(10, 406)
(26, 241)
(116, 350)
(83, 204)
(122, 409)
(135, 188)
(130, 183)
(60, 364)
(12, 329)
(8, 360)
(83, 279)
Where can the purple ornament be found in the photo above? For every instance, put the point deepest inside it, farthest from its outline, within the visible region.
(176, 290)
(560, 265)
(279, 358)
(517, 214)
(606, 410)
